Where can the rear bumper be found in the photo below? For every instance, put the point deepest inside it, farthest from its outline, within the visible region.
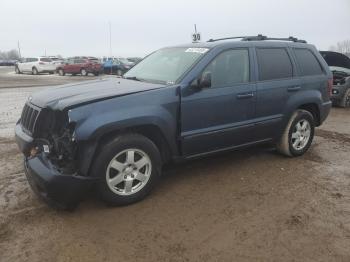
(55, 188)
(324, 111)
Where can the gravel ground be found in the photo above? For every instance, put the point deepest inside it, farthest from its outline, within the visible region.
(251, 205)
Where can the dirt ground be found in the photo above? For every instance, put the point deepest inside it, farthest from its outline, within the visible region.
(251, 205)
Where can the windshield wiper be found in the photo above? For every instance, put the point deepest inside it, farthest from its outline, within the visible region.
(133, 78)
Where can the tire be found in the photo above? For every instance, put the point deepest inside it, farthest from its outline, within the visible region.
(34, 71)
(51, 72)
(119, 72)
(61, 72)
(83, 72)
(96, 73)
(17, 70)
(345, 102)
(296, 139)
(112, 163)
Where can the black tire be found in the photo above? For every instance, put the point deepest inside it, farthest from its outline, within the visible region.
(108, 151)
(34, 71)
(285, 144)
(61, 72)
(345, 102)
(51, 72)
(17, 70)
(83, 72)
(96, 73)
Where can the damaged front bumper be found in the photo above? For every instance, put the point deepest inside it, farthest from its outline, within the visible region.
(47, 181)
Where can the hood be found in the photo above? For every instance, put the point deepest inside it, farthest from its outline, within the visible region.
(71, 95)
(335, 59)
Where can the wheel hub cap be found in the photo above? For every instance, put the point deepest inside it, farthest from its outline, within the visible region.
(128, 172)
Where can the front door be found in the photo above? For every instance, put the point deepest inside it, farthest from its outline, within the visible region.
(220, 115)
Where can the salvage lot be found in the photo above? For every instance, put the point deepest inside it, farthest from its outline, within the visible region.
(251, 205)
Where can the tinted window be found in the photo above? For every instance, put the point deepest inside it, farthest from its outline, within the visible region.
(307, 62)
(45, 59)
(274, 63)
(229, 68)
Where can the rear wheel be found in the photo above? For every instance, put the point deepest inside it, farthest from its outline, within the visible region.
(83, 72)
(34, 71)
(345, 102)
(128, 167)
(61, 72)
(298, 134)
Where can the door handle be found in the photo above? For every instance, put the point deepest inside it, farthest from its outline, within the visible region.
(245, 95)
(293, 88)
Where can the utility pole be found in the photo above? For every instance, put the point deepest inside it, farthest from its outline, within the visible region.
(19, 50)
(110, 44)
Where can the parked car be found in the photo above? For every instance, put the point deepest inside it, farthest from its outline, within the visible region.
(7, 62)
(35, 65)
(177, 104)
(118, 66)
(134, 60)
(339, 64)
(57, 61)
(80, 66)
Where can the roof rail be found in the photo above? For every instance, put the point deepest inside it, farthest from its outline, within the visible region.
(260, 38)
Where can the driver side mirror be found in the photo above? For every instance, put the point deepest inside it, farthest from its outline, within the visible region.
(205, 80)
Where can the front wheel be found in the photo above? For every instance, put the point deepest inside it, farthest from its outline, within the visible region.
(128, 167)
(83, 72)
(345, 102)
(298, 135)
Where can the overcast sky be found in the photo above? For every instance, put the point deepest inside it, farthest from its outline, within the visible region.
(80, 27)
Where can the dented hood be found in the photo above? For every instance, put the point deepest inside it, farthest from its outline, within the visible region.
(71, 95)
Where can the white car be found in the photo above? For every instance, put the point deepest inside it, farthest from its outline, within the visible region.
(36, 65)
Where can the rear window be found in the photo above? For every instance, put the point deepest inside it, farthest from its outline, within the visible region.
(45, 60)
(307, 62)
(274, 63)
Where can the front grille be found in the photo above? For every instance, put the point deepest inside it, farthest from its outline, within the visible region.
(29, 116)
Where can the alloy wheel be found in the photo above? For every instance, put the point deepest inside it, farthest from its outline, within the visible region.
(128, 172)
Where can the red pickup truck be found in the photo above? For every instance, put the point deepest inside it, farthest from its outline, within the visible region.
(82, 66)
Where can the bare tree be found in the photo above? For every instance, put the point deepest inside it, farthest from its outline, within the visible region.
(9, 55)
(341, 47)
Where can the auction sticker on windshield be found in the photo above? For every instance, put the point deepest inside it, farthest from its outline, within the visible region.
(196, 50)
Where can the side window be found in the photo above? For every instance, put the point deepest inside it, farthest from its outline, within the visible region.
(274, 63)
(229, 68)
(307, 62)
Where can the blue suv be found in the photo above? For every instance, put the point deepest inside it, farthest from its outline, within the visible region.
(178, 103)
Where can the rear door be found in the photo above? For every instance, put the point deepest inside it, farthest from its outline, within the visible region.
(311, 73)
(221, 115)
(276, 83)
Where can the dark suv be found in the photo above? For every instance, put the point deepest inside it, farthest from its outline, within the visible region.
(178, 103)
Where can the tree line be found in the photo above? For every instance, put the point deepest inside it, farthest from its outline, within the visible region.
(341, 47)
(9, 55)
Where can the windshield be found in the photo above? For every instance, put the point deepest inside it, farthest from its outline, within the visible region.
(166, 65)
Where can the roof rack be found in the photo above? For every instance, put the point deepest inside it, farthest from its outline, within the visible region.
(260, 38)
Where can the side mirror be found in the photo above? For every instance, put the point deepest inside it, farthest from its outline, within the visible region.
(205, 80)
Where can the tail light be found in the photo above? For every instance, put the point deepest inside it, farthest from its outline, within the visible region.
(330, 85)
